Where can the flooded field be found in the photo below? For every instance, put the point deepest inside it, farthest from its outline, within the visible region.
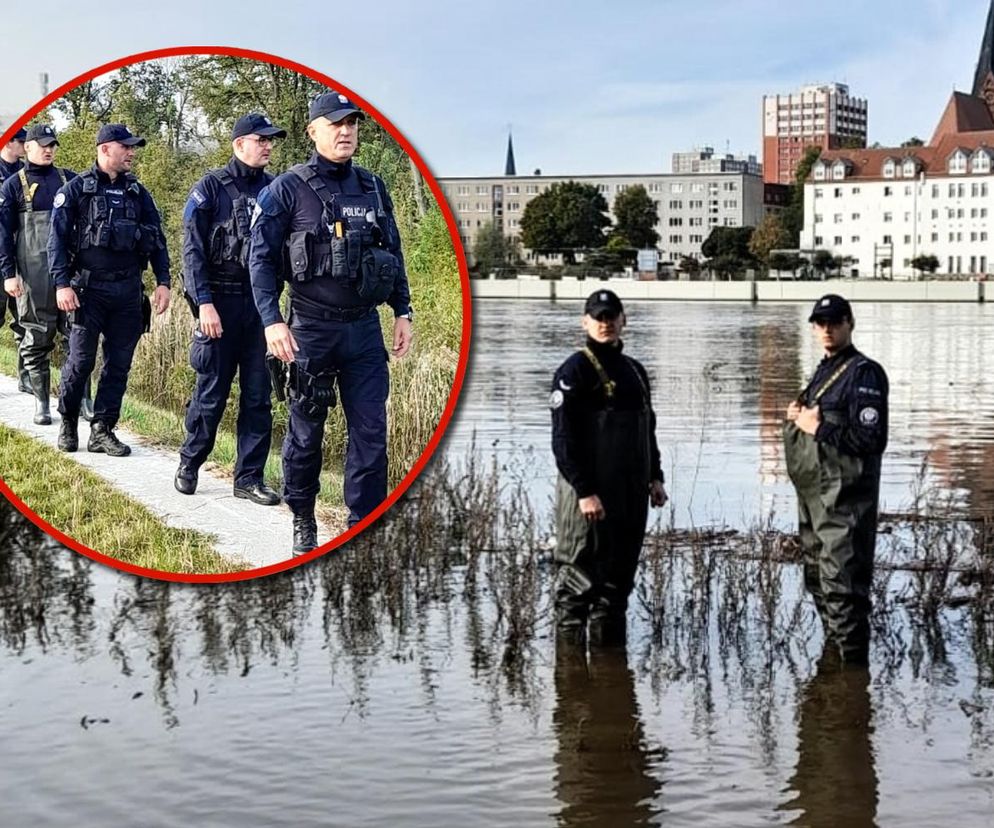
(414, 679)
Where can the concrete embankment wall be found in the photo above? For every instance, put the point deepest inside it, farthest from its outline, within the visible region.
(856, 291)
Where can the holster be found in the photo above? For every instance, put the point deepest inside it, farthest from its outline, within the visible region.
(278, 375)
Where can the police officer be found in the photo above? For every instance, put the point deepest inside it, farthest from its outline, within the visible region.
(604, 442)
(11, 154)
(834, 436)
(229, 337)
(333, 223)
(105, 230)
(26, 200)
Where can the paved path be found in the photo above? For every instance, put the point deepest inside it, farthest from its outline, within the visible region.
(257, 535)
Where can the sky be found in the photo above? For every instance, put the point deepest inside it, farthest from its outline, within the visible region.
(585, 87)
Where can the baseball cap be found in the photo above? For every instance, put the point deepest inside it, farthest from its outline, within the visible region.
(20, 135)
(831, 306)
(119, 133)
(255, 123)
(332, 105)
(43, 134)
(603, 302)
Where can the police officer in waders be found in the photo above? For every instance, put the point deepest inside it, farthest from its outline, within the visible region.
(834, 436)
(105, 230)
(11, 155)
(26, 200)
(604, 442)
(332, 222)
(229, 336)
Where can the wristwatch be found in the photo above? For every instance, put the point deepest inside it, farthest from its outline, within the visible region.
(409, 316)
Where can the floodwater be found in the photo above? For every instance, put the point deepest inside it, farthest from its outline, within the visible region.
(414, 680)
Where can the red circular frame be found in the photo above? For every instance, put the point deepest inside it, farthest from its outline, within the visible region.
(463, 350)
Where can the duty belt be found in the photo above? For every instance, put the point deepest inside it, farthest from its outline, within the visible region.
(110, 275)
(314, 310)
(227, 288)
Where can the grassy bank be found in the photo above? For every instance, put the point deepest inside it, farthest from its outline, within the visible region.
(93, 512)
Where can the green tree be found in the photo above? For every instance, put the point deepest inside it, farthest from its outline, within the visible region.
(728, 241)
(727, 265)
(690, 266)
(567, 217)
(913, 141)
(769, 235)
(785, 261)
(925, 263)
(491, 250)
(635, 217)
(792, 215)
(822, 261)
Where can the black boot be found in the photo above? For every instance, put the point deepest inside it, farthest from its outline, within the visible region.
(68, 436)
(103, 440)
(185, 480)
(86, 404)
(40, 382)
(305, 533)
(258, 493)
(23, 377)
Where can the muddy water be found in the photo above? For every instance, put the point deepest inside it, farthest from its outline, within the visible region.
(416, 681)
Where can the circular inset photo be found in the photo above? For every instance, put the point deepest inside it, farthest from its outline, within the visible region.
(239, 314)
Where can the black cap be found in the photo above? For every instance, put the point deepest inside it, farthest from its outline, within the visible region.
(20, 135)
(603, 302)
(832, 307)
(43, 134)
(333, 106)
(256, 123)
(119, 133)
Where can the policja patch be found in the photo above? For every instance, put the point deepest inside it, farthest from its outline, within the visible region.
(556, 399)
(869, 416)
(60, 199)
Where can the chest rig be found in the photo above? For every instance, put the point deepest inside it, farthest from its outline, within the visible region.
(111, 217)
(350, 241)
(30, 189)
(228, 241)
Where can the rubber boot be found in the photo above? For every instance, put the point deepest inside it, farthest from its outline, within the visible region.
(40, 383)
(86, 404)
(23, 377)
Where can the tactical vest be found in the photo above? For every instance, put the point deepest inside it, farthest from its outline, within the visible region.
(350, 241)
(29, 189)
(114, 221)
(228, 241)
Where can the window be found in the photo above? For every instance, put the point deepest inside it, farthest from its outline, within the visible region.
(697, 187)
(676, 188)
(818, 192)
(620, 188)
(907, 190)
(935, 237)
(838, 170)
(818, 240)
(676, 205)
(889, 168)
(837, 241)
(676, 222)
(888, 217)
(888, 240)
(513, 206)
(676, 239)
(957, 163)
(819, 172)
(513, 189)
(935, 191)
(855, 216)
(531, 189)
(697, 222)
(935, 214)
(952, 191)
(818, 218)
(696, 239)
(854, 240)
(482, 190)
(855, 190)
(909, 168)
(731, 186)
(838, 192)
(981, 162)
(464, 190)
(907, 239)
(888, 191)
(907, 216)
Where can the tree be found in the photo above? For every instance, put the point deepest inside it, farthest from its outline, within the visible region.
(785, 261)
(635, 217)
(726, 264)
(792, 215)
(913, 141)
(728, 241)
(925, 263)
(491, 250)
(822, 261)
(769, 235)
(690, 266)
(566, 217)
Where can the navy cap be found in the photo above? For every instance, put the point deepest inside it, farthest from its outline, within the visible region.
(43, 134)
(20, 135)
(333, 106)
(832, 307)
(256, 123)
(119, 133)
(603, 302)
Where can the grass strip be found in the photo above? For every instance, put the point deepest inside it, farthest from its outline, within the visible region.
(91, 510)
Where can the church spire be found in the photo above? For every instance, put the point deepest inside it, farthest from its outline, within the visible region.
(985, 63)
(509, 163)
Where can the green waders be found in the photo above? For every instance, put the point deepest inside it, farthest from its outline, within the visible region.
(36, 305)
(837, 498)
(596, 561)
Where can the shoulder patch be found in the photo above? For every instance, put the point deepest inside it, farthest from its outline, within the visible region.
(256, 212)
(2, 201)
(60, 199)
(197, 196)
(556, 399)
(869, 416)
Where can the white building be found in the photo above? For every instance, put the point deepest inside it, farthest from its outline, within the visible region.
(689, 206)
(882, 208)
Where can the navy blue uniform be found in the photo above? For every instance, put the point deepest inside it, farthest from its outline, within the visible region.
(215, 246)
(333, 317)
(103, 235)
(48, 182)
(9, 168)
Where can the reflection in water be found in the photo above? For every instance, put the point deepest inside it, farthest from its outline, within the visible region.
(604, 769)
(835, 781)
